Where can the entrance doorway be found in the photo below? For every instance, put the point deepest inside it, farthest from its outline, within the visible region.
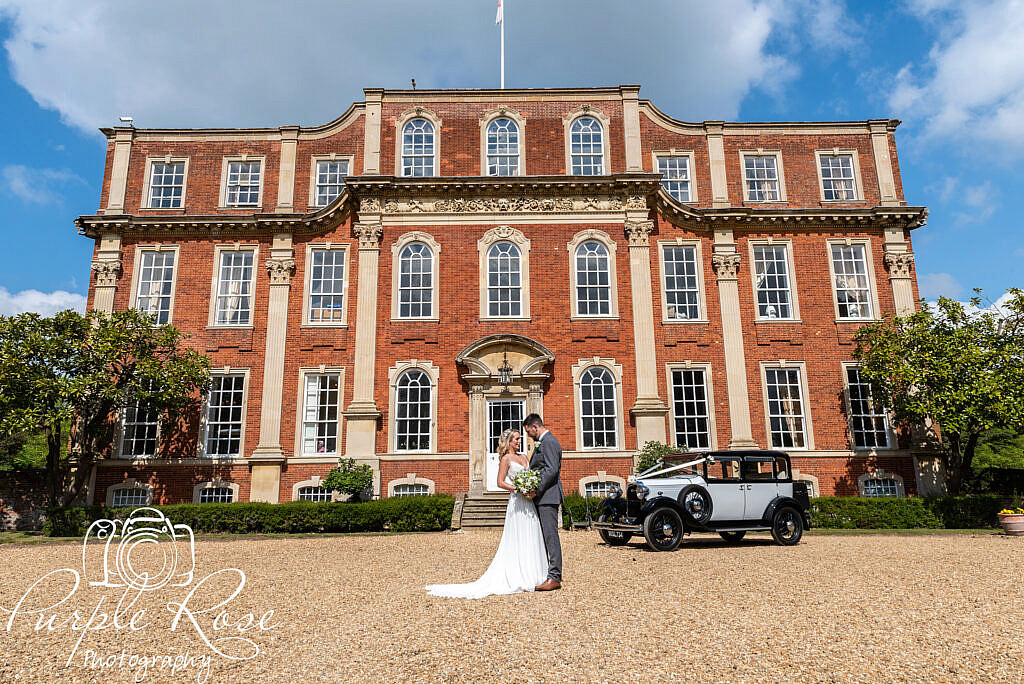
(502, 414)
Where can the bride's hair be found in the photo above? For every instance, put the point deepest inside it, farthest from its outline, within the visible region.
(505, 440)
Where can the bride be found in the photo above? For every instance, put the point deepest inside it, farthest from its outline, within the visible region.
(520, 563)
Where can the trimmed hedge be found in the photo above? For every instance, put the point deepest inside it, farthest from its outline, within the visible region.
(401, 514)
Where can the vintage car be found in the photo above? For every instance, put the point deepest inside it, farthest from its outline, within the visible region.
(728, 492)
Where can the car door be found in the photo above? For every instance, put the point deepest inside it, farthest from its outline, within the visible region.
(759, 484)
(726, 487)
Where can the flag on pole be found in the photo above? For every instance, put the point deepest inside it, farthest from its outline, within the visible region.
(500, 16)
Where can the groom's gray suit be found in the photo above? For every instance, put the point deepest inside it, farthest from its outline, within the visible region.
(547, 459)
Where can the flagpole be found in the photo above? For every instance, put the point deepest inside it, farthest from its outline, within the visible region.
(503, 47)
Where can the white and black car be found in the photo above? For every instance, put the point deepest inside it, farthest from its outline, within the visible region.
(729, 492)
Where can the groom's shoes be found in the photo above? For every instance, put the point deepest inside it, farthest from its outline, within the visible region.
(548, 585)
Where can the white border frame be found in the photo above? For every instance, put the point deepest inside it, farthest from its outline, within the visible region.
(702, 298)
(604, 238)
(333, 156)
(201, 446)
(804, 403)
(119, 441)
(147, 181)
(308, 278)
(137, 264)
(130, 483)
(677, 153)
(406, 117)
(214, 484)
(215, 282)
(872, 282)
(411, 479)
(759, 152)
(880, 474)
(567, 121)
(299, 406)
(601, 477)
(890, 434)
(709, 389)
(222, 202)
(858, 184)
(315, 481)
(394, 372)
(790, 264)
(502, 112)
(483, 245)
(396, 250)
(620, 419)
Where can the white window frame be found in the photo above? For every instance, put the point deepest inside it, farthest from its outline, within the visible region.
(890, 434)
(616, 371)
(307, 292)
(396, 251)
(567, 122)
(411, 479)
(794, 300)
(300, 410)
(663, 293)
(880, 474)
(140, 250)
(602, 477)
(858, 184)
(216, 483)
(204, 413)
(483, 245)
(314, 481)
(688, 154)
(814, 491)
(872, 283)
(709, 392)
(778, 168)
(314, 163)
(145, 201)
(805, 405)
(119, 446)
(130, 483)
(503, 112)
(215, 284)
(248, 158)
(394, 373)
(406, 117)
(609, 243)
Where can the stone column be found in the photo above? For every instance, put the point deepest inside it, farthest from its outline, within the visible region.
(631, 127)
(649, 410)
(268, 456)
(901, 281)
(107, 266)
(726, 262)
(716, 157)
(477, 440)
(286, 173)
(119, 170)
(362, 414)
(883, 162)
(371, 131)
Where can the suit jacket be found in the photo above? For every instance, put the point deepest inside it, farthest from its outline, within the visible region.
(547, 459)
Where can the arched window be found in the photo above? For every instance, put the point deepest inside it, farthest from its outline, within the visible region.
(314, 493)
(502, 148)
(412, 411)
(411, 490)
(415, 281)
(593, 281)
(586, 141)
(418, 148)
(597, 410)
(504, 280)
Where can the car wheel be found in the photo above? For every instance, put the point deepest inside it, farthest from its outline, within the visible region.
(696, 503)
(787, 526)
(610, 537)
(663, 529)
(732, 537)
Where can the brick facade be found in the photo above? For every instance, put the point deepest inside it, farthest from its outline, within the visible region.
(549, 208)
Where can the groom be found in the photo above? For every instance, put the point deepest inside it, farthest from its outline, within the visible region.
(547, 460)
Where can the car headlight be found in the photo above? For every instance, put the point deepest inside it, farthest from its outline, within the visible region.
(614, 492)
(641, 491)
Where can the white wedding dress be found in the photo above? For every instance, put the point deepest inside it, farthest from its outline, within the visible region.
(520, 563)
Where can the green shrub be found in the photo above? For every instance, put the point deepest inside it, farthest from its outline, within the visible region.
(404, 514)
(651, 453)
(967, 512)
(348, 478)
(950, 512)
(577, 504)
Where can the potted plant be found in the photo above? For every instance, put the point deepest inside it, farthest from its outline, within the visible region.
(1012, 521)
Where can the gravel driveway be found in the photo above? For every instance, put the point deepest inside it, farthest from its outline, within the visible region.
(836, 608)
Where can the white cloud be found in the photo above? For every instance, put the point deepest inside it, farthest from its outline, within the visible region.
(196, 63)
(970, 90)
(43, 303)
(935, 285)
(37, 186)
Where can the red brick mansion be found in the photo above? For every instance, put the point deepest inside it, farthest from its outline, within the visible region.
(401, 284)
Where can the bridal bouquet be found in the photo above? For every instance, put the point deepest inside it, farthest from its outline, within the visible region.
(526, 480)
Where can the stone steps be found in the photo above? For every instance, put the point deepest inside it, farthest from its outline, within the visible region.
(483, 510)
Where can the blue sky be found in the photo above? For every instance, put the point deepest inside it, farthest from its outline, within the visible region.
(953, 72)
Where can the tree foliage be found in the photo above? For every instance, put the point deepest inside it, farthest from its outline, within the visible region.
(348, 478)
(961, 367)
(651, 453)
(68, 376)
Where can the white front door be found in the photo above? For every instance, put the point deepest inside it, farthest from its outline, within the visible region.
(501, 415)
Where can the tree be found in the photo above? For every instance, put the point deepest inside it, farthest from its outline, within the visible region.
(959, 366)
(68, 376)
(348, 478)
(651, 453)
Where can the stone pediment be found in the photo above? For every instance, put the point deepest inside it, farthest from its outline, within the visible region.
(527, 357)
